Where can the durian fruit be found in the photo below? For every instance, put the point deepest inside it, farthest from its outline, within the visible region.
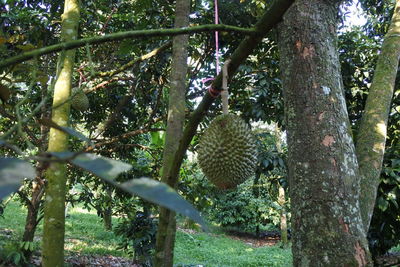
(227, 151)
(79, 100)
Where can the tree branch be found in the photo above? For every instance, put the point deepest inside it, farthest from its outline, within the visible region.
(122, 35)
(123, 136)
(371, 137)
(155, 52)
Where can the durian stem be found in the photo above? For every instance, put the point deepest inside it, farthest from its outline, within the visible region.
(225, 93)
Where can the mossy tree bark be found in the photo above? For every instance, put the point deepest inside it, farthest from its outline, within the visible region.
(371, 136)
(54, 216)
(176, 117)
(323, 169)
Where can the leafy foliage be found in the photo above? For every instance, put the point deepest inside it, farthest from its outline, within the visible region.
(358, 55)
(241, 210)
(11, 252)
(384, 231)
(138, 236)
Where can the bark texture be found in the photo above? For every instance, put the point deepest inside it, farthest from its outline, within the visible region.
(371, 137)
(165, 239)
(38, 185)
(54, 208)
(323, 169)
(33, 207)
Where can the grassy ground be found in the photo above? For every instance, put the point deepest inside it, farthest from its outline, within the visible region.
(220, 250)
(85, 235)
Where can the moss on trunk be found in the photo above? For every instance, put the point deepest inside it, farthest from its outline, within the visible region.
(371, 137)
(54, 216)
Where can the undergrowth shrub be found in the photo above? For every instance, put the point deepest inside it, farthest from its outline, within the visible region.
(241, 210)
(138, 237)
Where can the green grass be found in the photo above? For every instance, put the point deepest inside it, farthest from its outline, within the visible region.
(220, 250)
(85, 235)
(84, 231)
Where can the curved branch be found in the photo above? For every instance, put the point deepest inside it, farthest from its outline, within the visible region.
(122, 35)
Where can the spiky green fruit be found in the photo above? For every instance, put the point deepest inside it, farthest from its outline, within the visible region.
(79, 100)
(227, 151)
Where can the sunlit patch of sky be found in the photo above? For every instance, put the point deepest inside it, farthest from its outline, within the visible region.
(355, 16)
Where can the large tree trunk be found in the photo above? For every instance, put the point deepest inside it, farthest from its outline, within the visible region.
(323, 169)
(54, 208)
(164, 255)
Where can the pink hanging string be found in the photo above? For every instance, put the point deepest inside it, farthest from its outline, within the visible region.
(215, 93)
(216, 37)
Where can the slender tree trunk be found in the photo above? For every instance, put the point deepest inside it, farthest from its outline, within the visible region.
(107, 212)
(281, 193)
(323, 169)
(256, 193)
(54, 209)
(165, 239)
(371, 136)
(283, 216)
(33, 205)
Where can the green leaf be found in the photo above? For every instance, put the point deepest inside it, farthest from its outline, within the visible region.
(12, 173)
(163, 195)
(148, 189)
(281, 163)
(67, 130)
(157, 138)
(103, 167)
(382, 204)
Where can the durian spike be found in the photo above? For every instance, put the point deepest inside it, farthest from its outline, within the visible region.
(225, 93)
